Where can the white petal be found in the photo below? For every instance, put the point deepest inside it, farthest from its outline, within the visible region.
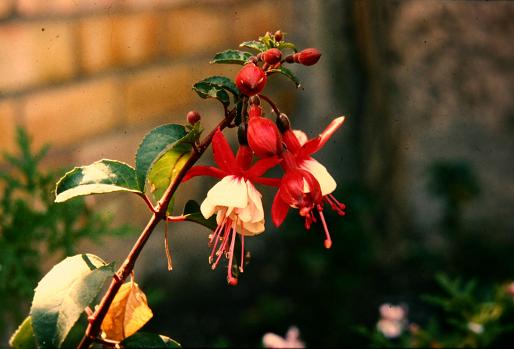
(250, 229)
(301, 136)
(231, 191)
(207, 208)
(325, 180)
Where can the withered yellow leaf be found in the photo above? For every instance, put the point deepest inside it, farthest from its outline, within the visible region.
(128, 312)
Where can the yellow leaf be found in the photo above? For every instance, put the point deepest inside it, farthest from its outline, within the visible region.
(128, 312)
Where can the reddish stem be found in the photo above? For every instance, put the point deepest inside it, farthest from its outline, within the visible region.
(158, 214)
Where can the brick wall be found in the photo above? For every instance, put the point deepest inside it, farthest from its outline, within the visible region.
(91, 77)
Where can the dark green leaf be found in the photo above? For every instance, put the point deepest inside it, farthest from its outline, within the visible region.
(157, 142)
(207, 90)
(63, 294)
(24, 338)
(192, 213)
(223, 82)
(284, 71)
(256, 45)
(166, 167)
(143, 340)
(231, 57)
(103, 176)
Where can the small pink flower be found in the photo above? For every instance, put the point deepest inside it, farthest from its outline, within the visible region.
(291, 340)
(393, 320)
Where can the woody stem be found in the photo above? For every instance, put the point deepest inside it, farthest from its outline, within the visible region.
(271, 103)
(158, 214)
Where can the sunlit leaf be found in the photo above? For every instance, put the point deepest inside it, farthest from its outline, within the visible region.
(282, 45)
(289, 74)
(24, 338)
(231, 57)
(128, 312)
(168, 164)
(256, 45)
(103, 176)
(145, 340)
(63, 294)
(155, 144)
(192, 213)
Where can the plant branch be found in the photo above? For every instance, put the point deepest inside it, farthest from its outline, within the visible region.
(271, 103)
(159, 213)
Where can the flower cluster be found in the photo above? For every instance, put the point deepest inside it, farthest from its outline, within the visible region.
(306, 185)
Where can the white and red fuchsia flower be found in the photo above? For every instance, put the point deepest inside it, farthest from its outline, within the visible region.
(306, 184)
(234, 199)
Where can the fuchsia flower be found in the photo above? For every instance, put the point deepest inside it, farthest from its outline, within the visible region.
(234, 199)
(263, 135)
(306, 183)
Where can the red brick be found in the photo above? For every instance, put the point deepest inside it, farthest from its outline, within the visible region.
(33, 53)
(60, 7)
(197, 30)
(108, 41)
(8, 122)
(254, 19)
(69, 114)
(5, 8)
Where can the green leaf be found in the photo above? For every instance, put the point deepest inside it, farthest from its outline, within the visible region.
(166, 167)
(223, 82)
(256, 45)
(268, 40)
(284, 71)
(231, 57)
(154, 145)
(207, 90)
(24, 338)
(145, 340)
(282, 45)
(192, 213)
(63, 294)
(103, 176)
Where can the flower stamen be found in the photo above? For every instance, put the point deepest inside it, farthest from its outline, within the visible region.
(328, 240)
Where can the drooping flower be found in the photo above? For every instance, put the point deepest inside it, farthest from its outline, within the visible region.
(298, 163)
(235, 200)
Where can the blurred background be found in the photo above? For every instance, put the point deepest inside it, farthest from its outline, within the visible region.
(424, 162)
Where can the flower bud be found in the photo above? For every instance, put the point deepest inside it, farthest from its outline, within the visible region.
(272, 56)
(309, 56)
(193, 117)
(283, 123)
(251, 79)
(279, 36)
(263, 137)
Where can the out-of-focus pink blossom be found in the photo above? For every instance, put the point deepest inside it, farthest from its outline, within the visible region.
(393, 320)
(291, 339)
(510, 288)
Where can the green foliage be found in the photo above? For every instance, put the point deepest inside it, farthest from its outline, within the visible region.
(63, 294)
(103, 176)
(254, 44)
(463, 316)
(23, 337)
(149, 340)
(33, 229)
(287, 73)
(217, 87)
(231, 57)
(192, 214)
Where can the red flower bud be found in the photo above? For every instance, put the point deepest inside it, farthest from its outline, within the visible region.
(254, 110)
(251, 80)
(279, 36)
(309, 56)
(271, 56)
(193, 117)
(263, 137)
